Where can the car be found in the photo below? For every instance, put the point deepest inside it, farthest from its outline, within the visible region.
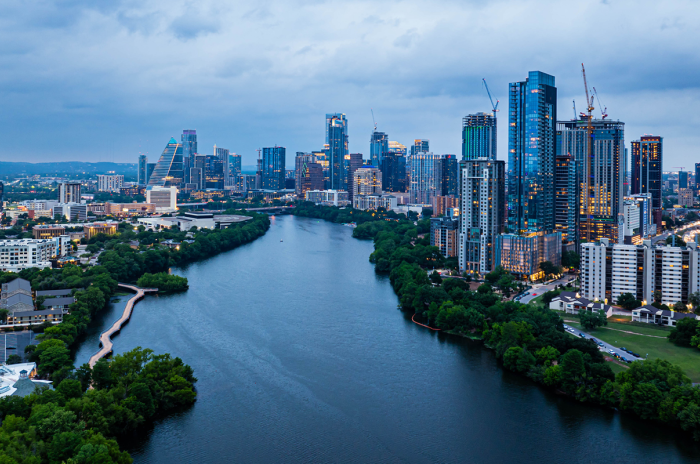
(581, 334)
(611, 352)
(625, 359)
(600, 344)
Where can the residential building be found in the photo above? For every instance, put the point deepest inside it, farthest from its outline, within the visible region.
(566, 198)
(393, 168)
(169, 171)
(142, 176)
(273, 167)
(647, 168)
(17, 255)
(374, 201)
(72, 211)
(337, 141)
(109, 182)
(653, 315)
(572, 303)
(367, 181)
(164, 198)
(441, 203)
(308, 174)
(479, 136)
(444, 234)
(427, 178)
(649, 272)
(232, 171)
(600, 175)
(521, 255)
(328, 197)
(354, 162)
(69, 192)
(378, 148)
(48, 231)
(482, 201)
(686, 197)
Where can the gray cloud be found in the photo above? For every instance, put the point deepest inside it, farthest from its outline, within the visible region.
(123, 77)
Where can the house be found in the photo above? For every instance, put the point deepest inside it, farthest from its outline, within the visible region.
(17, 380)
(36, 317)
(18, 302)
(653, 315)
(60, 303)
(56, 293)
(572, 303)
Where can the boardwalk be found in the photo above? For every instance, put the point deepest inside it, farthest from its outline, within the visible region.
(106, 337)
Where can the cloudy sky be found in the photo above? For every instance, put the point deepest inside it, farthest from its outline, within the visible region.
(83, 81)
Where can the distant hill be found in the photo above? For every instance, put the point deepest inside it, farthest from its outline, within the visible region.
(67, 167)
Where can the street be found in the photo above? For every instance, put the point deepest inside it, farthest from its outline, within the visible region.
(539, 290)
(606, 346)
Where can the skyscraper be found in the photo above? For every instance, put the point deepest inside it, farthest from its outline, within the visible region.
(337, 140)
(600, 175)
(420, 146)
(354, 162)
(697, 176)
(215, 175)
(378, 148)
(188, 139)
(273, 166)
(479, 136)
(482, 201)
(69, 192)
(367, 181)
(532, 116)
(682, 180)
(566, 197)
(142, 176)
(647, 167)
(425, 181)
(2, 195)
(168, 172)
(308, 174)
(448, 172)
(393, 168)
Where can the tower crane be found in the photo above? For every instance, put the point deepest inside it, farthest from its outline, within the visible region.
(493, 107)
(373, 121)
(604, 110)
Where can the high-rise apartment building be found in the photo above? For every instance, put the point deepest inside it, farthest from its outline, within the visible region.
(69, 192)
(425, 181)
(647, 168)
(682, 179)
(479, 136)
(188, 140)
(394, 168)
(444, 234)
(273, 168)
(532, 116)
(337, 141)
(110, 182)
(232, 172)
(142, 174)
(367, 181)
(600, 175)
(566, 198)
(686, 197)
(169, 171)
(482, 200)
(308, 174)
(448, 172)
(378, 148)
(353, 162)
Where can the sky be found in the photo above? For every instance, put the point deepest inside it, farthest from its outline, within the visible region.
(106, 81)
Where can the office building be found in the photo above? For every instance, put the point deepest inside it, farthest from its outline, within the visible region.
(420, 146)
(394, 168)
(532, 116)
(232, 171)
(367, 181)
(682, 179)
(71, 211)
(482, 201)
(374, 202)
(169, 171)
(188, 140)
(600, 175)
(328, 197)
(308, 174)
(273, 168)
(647, 168)
(441, 204)
(566, 198)
(142, 174)
(425, 182)
(353, 162)
(686, 197)
(107, 228)
(378, 148)
(444, 234)
(69, 192)
(110, 183)
(128, 209)
(479, 136)
(665, 273)
(149, 171)
(214, 170)
(164, 198)
(47, 231)
(337, 141)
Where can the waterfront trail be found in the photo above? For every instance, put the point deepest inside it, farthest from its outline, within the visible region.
(106, 336)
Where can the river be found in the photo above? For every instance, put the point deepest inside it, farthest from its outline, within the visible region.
(303, 356)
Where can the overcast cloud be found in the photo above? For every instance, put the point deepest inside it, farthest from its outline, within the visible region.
(83, 81)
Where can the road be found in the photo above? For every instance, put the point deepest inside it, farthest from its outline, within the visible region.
(606, 346)
(537, 291)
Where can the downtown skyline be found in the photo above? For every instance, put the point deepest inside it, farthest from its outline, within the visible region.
(122, 94)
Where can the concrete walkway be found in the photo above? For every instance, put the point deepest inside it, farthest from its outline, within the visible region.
(106, 337)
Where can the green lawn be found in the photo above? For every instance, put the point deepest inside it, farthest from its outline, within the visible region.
(687, 358)
(616, 367)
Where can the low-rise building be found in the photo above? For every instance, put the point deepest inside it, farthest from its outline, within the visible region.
(17, 380)
(129, 209)
(572, 303)
(373, 202)
(652, 315)
(72, 211)
(328, 197)
(48, 231)
(164, 198)
(17, 255)
(107, 228)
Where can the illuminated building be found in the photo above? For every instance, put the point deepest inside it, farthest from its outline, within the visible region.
(48, 231)
(273, 168)
(647, 164)
(188, 140)
(394, 168)
(444, 234)
(686, 197)
(107, 228)
(566, 198)
(69, 192)
(110, 183)
(441, 203)
(367, 181)
(482, 200)
(129, 209)
(354, 162)
(600, 176)
(378, 148)
(479, 136)
(522, 254)
(374, 202)
(168, 172)
(327, 197)
(72, 211)
(308, 174)
(337, 141)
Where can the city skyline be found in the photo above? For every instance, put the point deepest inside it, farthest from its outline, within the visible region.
(128, 100)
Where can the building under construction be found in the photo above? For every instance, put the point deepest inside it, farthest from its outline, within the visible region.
(600, 176)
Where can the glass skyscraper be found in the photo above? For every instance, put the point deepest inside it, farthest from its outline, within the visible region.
(188, 139)
(378, 148)
(337, 141)
(479, 136)
(168, 171)
(647, 164)
(273, 168)
(142, 174)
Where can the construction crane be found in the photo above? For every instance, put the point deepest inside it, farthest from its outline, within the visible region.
(682, 168)
(373, 121)
(493, 107)
(604, 110)
(589, 127)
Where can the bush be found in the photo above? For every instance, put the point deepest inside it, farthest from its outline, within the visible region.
(164, 282)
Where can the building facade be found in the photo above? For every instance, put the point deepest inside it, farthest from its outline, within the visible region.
(482, 201)
(328, 197)
(374, 202)
(164, 198)
(142, 177)
(479, 136)
(337, 141)
(566, 198)
(110, 182)
(69, 192)
(273, 167)
(444, 234)
(169, 170)
(367, 181)
(72, 211)
(17, 255)
(647, 169)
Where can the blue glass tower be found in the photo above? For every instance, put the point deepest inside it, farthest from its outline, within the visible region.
(188, 140)
(378, 148)
(337, 141)
(273, 168)
(168, 172)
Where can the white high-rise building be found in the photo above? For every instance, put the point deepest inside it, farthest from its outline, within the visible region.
(69, 192)
(110, 182)
(482, 199)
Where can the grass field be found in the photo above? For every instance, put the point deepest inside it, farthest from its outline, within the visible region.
(639, 342)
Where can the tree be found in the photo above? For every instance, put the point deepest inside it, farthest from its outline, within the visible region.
(101, 375)
(684, 331)
(694, 301)
(4, 312)
(571, 259)
(572, 370)
(680, 307)
(592, 319)
(14, 359)
(628, 301)
(546, 355)
(547, 297)
(436, 278)
(549, 269)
